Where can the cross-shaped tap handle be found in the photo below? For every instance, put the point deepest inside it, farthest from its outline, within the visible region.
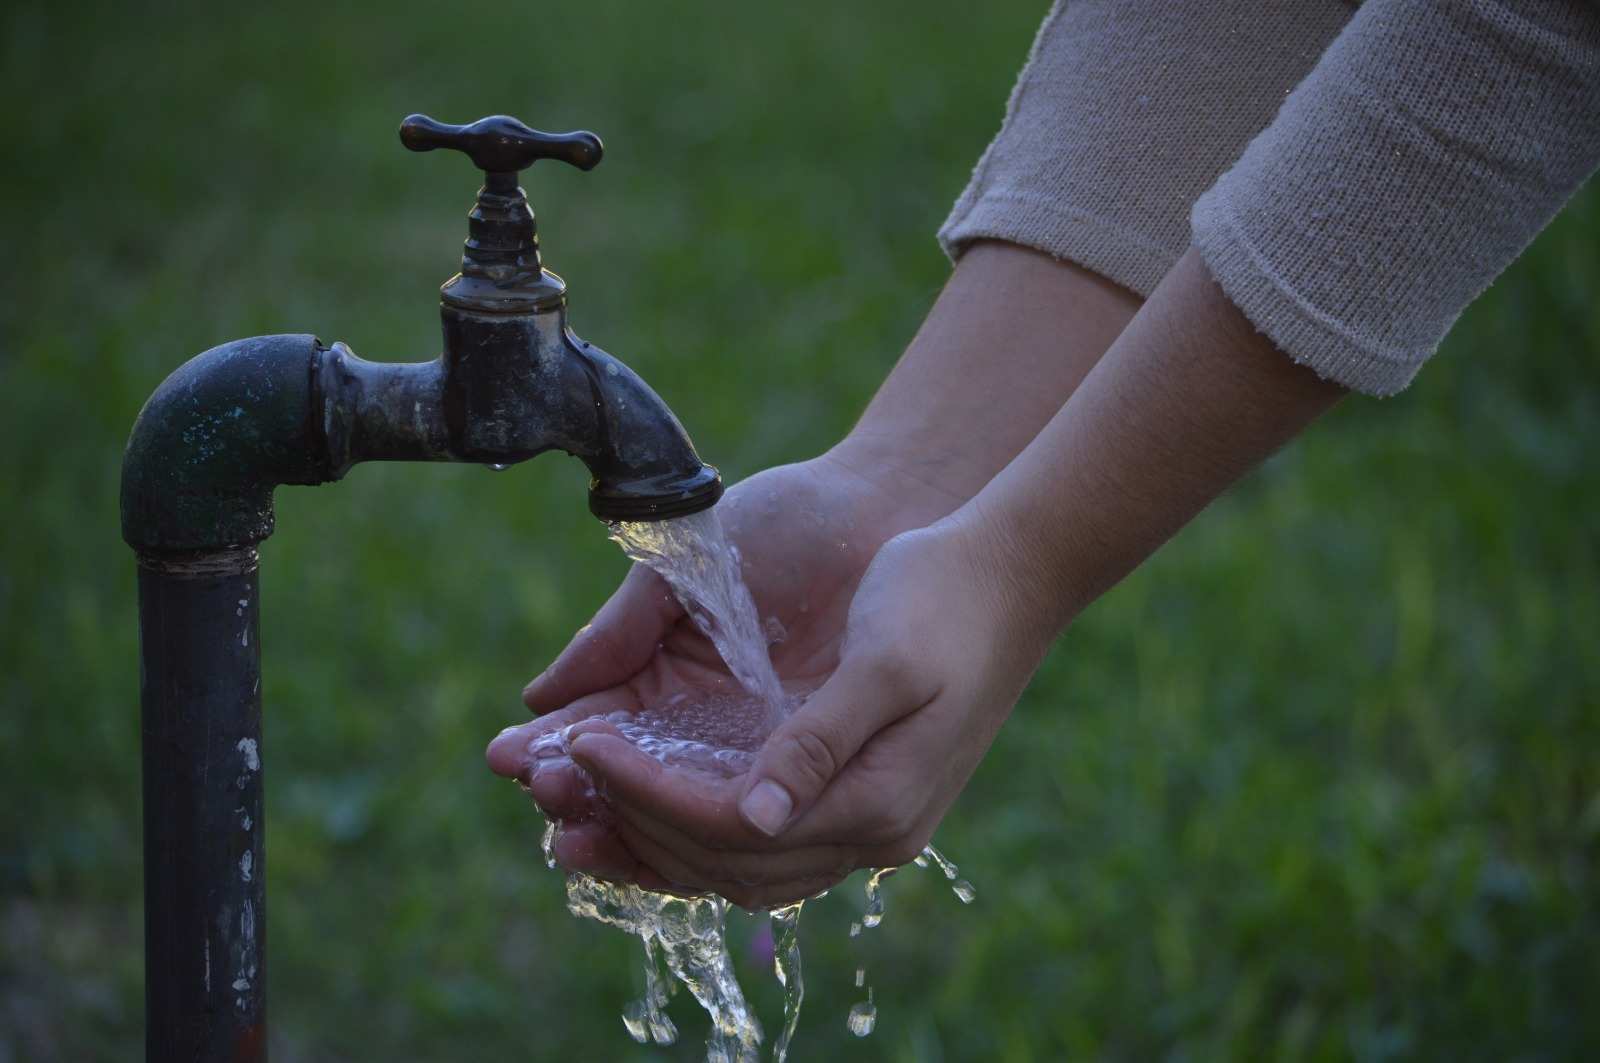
(500, 144)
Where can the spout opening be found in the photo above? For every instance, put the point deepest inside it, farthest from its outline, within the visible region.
(656, 498)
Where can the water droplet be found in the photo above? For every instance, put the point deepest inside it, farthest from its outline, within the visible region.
(496, 467)
(633, 1019)
(548, 844)
(950, 870)
(863, 1017)
(874, 913)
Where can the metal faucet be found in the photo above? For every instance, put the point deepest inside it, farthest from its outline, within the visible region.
(205, 454)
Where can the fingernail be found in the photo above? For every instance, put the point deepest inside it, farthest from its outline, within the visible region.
(767, 807)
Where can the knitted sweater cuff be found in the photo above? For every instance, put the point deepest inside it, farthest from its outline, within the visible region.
(1059, 228)
(1307, 335)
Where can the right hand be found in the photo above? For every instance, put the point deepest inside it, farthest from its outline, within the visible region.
(806, 533)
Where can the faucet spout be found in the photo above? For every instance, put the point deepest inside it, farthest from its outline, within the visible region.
(643, 464)
(516, 384)
(510, 387)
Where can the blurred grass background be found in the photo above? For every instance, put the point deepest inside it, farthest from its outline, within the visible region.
(1321, 781)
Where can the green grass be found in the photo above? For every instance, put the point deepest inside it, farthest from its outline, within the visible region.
(1320, 781)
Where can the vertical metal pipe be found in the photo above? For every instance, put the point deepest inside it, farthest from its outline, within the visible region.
(204, 851)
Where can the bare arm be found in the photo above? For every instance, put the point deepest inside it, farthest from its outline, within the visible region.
(951, 620)
(1009, 339)
(1011, 335)
(1187, 400)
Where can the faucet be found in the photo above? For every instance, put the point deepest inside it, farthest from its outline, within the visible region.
(203, 459)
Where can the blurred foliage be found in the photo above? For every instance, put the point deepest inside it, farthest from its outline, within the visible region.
(1320, 781)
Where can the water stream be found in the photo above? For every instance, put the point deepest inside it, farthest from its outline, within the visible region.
(685, 939)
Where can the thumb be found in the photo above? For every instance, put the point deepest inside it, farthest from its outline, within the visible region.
(867, 693)
(612, 647)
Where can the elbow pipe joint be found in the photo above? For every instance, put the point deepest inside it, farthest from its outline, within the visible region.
(213, 441)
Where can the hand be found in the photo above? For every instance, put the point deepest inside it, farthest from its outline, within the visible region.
(946, 420)
(806, 533)
(940, 642)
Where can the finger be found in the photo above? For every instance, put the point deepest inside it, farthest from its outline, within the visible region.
(780, 895)
(562, 790)
(654, 881)
(612, 647)
(513, 749)
(867, 693)
(745, 895)
(594, 850)
(699, 806)
(509, 752)
(664, 860)
(717, 867)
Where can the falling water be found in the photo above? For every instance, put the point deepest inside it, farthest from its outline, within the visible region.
(717, 733)
(695, 558)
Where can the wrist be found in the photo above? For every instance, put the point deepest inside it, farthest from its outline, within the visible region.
(900, 492)
(1035, 588)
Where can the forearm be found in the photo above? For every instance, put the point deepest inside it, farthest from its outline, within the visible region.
(1008, 340)
(1188, 399)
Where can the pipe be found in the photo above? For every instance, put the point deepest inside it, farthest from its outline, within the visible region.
(204, 457)
(204, 829)
(213, 441)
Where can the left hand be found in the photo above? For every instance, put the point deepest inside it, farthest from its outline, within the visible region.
(806, 534)
(939, 643)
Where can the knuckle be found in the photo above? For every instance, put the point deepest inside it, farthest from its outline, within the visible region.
(895, 669)
(812, 756)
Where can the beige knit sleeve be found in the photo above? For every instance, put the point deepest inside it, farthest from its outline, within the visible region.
(1432, 142)
(1125, 112)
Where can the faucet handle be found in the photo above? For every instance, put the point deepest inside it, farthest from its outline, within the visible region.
(499, 144)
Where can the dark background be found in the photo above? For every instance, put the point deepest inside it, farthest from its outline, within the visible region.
(1320, 781)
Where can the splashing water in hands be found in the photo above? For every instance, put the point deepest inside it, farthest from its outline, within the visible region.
(715, 729)
(806, 534)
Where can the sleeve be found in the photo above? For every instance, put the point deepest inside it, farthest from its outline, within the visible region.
(1125, 112)
(1428, 147)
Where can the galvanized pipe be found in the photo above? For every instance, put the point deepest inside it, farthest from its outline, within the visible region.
(205, 890)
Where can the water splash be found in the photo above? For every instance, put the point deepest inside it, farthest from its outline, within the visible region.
(959, 886)
(644, 1018)
(548, 844)
(695, 558)
(690, 936)
(718, 733)
(874, 913)
(786, 965)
